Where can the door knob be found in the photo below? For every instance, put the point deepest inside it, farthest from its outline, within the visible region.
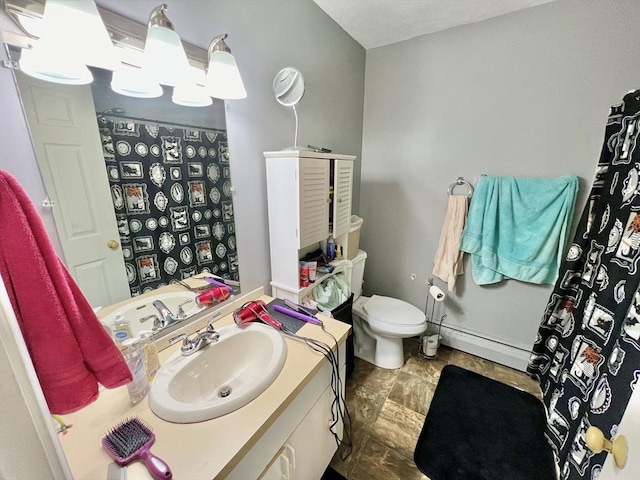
(616, 446)
(112, 244)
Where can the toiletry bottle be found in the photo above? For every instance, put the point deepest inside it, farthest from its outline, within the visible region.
(121, 329)
(151, 360)
(139, 386)
(304, 274)
(313, 266)
(331, 250)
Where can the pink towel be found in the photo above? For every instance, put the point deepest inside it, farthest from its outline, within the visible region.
(448, 259)
(69, 347)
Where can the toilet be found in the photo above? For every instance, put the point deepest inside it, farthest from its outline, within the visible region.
(380, 323)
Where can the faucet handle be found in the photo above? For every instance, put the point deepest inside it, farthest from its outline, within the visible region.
(149, 317)
(212, 333)
(181, 313)
(210, 327)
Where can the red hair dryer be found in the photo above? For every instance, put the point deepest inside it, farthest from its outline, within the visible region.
(255, 311)
(213, 296)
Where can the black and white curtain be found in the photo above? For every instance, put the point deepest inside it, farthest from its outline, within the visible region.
(171, 191)
(587, 351)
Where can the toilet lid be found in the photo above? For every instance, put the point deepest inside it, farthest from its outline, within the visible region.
(393, 311)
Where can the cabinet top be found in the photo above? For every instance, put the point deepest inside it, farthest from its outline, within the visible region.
(308, 154)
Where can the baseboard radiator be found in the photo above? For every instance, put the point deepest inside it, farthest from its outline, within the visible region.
(484, 347)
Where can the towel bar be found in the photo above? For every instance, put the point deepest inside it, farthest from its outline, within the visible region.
(460, 181)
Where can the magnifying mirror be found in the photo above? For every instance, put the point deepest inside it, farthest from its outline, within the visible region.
(288, 89)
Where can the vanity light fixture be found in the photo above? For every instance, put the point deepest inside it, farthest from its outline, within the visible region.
(223, 77)
(63, 37)
(164, 57)
(41, 62)
(192, 92)
(134, 82)
(73, 36)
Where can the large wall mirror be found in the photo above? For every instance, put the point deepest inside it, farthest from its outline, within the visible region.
(140, 189)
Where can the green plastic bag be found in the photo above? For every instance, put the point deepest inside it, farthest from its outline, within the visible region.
(332, 292)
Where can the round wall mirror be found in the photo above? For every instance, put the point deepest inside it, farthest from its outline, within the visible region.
(288, 86)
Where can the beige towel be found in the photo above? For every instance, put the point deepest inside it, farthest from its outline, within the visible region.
(448, 260)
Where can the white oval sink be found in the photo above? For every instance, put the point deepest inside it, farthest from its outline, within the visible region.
(143, 308)
(220, 378)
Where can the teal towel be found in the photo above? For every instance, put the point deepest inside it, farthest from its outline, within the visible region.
(516, 228)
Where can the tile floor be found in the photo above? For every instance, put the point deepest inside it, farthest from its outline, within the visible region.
(388, 409)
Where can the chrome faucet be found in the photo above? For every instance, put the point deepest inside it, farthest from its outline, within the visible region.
(196, 341)
(166, 316)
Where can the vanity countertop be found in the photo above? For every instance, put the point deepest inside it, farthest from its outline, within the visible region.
(204, 450)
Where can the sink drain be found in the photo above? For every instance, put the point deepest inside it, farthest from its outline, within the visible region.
(224, 392)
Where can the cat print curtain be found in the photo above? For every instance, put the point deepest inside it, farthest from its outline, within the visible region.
(587, 351)
(171, 191)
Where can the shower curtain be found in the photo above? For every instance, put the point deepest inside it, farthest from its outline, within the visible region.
(171, 191)
(587, 351)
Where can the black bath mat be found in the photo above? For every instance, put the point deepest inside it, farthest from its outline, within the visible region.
(331, 474)
(480, 429)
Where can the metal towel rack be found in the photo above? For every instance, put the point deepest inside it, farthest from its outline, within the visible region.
(460, 181)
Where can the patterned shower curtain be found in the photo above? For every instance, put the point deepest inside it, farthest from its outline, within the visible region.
(171, 191)
(587, 351)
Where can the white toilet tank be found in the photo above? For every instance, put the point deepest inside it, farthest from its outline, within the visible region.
(357, 273)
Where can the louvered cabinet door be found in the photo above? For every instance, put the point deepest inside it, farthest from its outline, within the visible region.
(313, 224)
(343, 183)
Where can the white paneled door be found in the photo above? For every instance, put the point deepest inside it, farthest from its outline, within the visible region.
(343, 187)
(66, 140)
(314, 200)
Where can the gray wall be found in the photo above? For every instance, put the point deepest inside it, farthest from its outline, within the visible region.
(265, 36)
(16, 153)
(525, 94)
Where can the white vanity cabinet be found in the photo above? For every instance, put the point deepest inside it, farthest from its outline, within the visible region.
(309, 201)
(298, 445)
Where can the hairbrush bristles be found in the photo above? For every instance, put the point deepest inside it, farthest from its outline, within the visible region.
(130, 440)
(127, 438)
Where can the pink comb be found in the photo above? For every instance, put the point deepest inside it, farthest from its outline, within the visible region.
(131, 439)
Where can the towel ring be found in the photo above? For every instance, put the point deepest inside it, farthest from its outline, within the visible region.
(460, 181)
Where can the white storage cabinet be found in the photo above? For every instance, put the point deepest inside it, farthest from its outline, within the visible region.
(309, 201)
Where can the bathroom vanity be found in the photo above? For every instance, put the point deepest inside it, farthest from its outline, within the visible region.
(283, 433)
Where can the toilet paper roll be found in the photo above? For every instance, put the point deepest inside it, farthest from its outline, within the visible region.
(436, 293)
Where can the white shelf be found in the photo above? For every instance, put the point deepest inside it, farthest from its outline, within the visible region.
(304, 291)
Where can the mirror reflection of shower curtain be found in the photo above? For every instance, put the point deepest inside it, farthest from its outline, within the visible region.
(587, 351)
(171, 191)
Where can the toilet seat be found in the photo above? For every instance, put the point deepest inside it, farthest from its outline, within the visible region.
(393, 312)
(390, 316)
(380, 323)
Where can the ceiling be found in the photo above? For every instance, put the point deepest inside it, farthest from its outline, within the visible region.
(374, 23)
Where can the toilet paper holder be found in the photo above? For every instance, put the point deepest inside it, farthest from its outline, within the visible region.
(429, 342)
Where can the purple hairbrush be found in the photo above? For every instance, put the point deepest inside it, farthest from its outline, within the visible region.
(130, 440)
